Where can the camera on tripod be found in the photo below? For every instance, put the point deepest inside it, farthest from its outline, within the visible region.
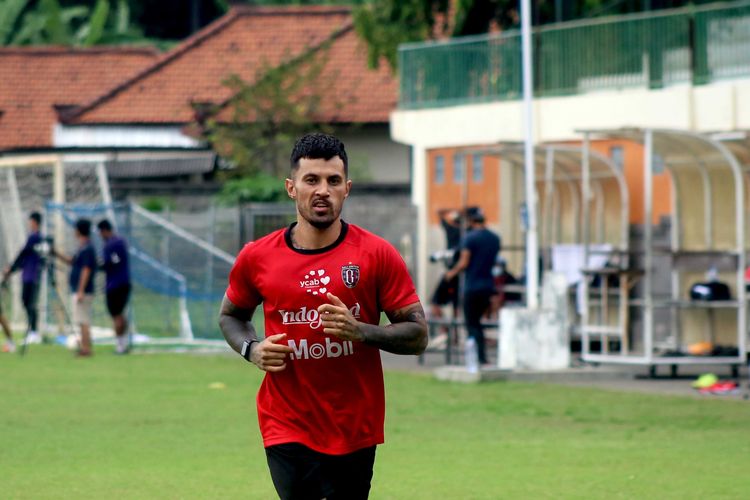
(445, 256)
(46, 247)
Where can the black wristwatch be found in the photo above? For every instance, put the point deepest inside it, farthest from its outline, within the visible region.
(246, 349)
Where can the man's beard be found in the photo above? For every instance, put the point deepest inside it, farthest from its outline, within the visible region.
(320, 223)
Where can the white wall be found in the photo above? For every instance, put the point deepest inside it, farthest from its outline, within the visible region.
(95, 136)
(721, 106)
(387, 160)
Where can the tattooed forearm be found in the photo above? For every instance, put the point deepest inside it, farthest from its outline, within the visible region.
(407, 333)
(235, 324)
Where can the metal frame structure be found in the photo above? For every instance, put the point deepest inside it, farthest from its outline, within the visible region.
(55, 196)
(708, 230)
(564, 217)
(562, 173)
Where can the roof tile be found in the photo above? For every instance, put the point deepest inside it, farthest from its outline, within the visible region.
(37, 79)
(242, 43)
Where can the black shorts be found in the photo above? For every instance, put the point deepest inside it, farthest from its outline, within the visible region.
(446, 293)
(117, 299)
(301, 473)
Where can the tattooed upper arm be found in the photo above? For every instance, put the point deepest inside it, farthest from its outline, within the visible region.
(412, 313)
(228, 308)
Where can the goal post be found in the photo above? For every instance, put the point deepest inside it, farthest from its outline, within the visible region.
(178, 278)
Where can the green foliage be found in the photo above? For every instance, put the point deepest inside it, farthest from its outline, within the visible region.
(267, 115)
(57, 30)
(385, 24)
(10, 13)
(261, 187)
(77, 25)
(96, 23)
(157, 203)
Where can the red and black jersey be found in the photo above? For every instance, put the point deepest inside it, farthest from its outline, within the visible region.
(330, 397)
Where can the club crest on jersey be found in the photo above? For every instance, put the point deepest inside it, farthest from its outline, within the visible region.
(350, 275)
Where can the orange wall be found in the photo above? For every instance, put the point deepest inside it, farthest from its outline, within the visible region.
(633, 156)
(448, 194)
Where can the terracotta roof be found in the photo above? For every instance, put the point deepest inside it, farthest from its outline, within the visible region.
(241, 43)
(34, 80)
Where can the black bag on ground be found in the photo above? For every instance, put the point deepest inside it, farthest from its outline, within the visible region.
(710, 290)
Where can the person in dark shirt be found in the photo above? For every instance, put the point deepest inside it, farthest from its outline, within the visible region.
(117, 270)
(82, 273)
(30, 262)
(446, 291)
(479, 250)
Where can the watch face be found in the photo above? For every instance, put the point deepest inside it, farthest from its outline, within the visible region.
(245, 347)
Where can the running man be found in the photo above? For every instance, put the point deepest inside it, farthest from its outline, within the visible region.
(323, 284)
(117, 271)
(30, 262)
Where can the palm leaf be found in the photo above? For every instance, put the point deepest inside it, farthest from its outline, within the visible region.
(10, 11)
(96, 23)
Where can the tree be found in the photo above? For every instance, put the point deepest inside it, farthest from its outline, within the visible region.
(256, 128)
(49, 22)
(385, 24)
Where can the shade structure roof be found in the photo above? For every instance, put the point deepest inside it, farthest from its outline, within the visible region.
(563, 174)
(709, 193)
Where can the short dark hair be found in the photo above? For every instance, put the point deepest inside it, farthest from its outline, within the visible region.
(104, 225)
(36, 217)
(318, 146)
(475, 214)
(83, 226)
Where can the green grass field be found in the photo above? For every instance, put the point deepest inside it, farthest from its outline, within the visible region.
(150, 426)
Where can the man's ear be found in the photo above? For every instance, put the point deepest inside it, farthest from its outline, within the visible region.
(289, 185)
(348, 188)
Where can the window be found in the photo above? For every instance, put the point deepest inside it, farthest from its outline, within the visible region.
(439, 169)
(658, 164)
(459, 165)
(477, 168)
(618, 156)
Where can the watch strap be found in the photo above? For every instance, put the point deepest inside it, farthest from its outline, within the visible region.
(247, 348)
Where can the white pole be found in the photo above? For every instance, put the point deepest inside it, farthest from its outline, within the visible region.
(648, 262)
(532, 238)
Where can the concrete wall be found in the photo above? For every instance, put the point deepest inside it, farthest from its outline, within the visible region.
(371, 146)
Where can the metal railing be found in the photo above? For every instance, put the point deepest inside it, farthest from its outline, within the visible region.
(655, 49)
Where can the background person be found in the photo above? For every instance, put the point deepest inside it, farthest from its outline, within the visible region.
(446, 291)
(81, 281)
(30, 262)
(323, 284)
(479, 250)
(117, 271)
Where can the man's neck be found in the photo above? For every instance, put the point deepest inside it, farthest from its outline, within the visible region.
(308, 237)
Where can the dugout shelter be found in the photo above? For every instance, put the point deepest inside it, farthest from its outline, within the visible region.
(666, 324)
(581, 196)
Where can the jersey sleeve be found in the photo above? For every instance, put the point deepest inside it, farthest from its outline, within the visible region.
(395, 287)
(89, 258)
(241, 290)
